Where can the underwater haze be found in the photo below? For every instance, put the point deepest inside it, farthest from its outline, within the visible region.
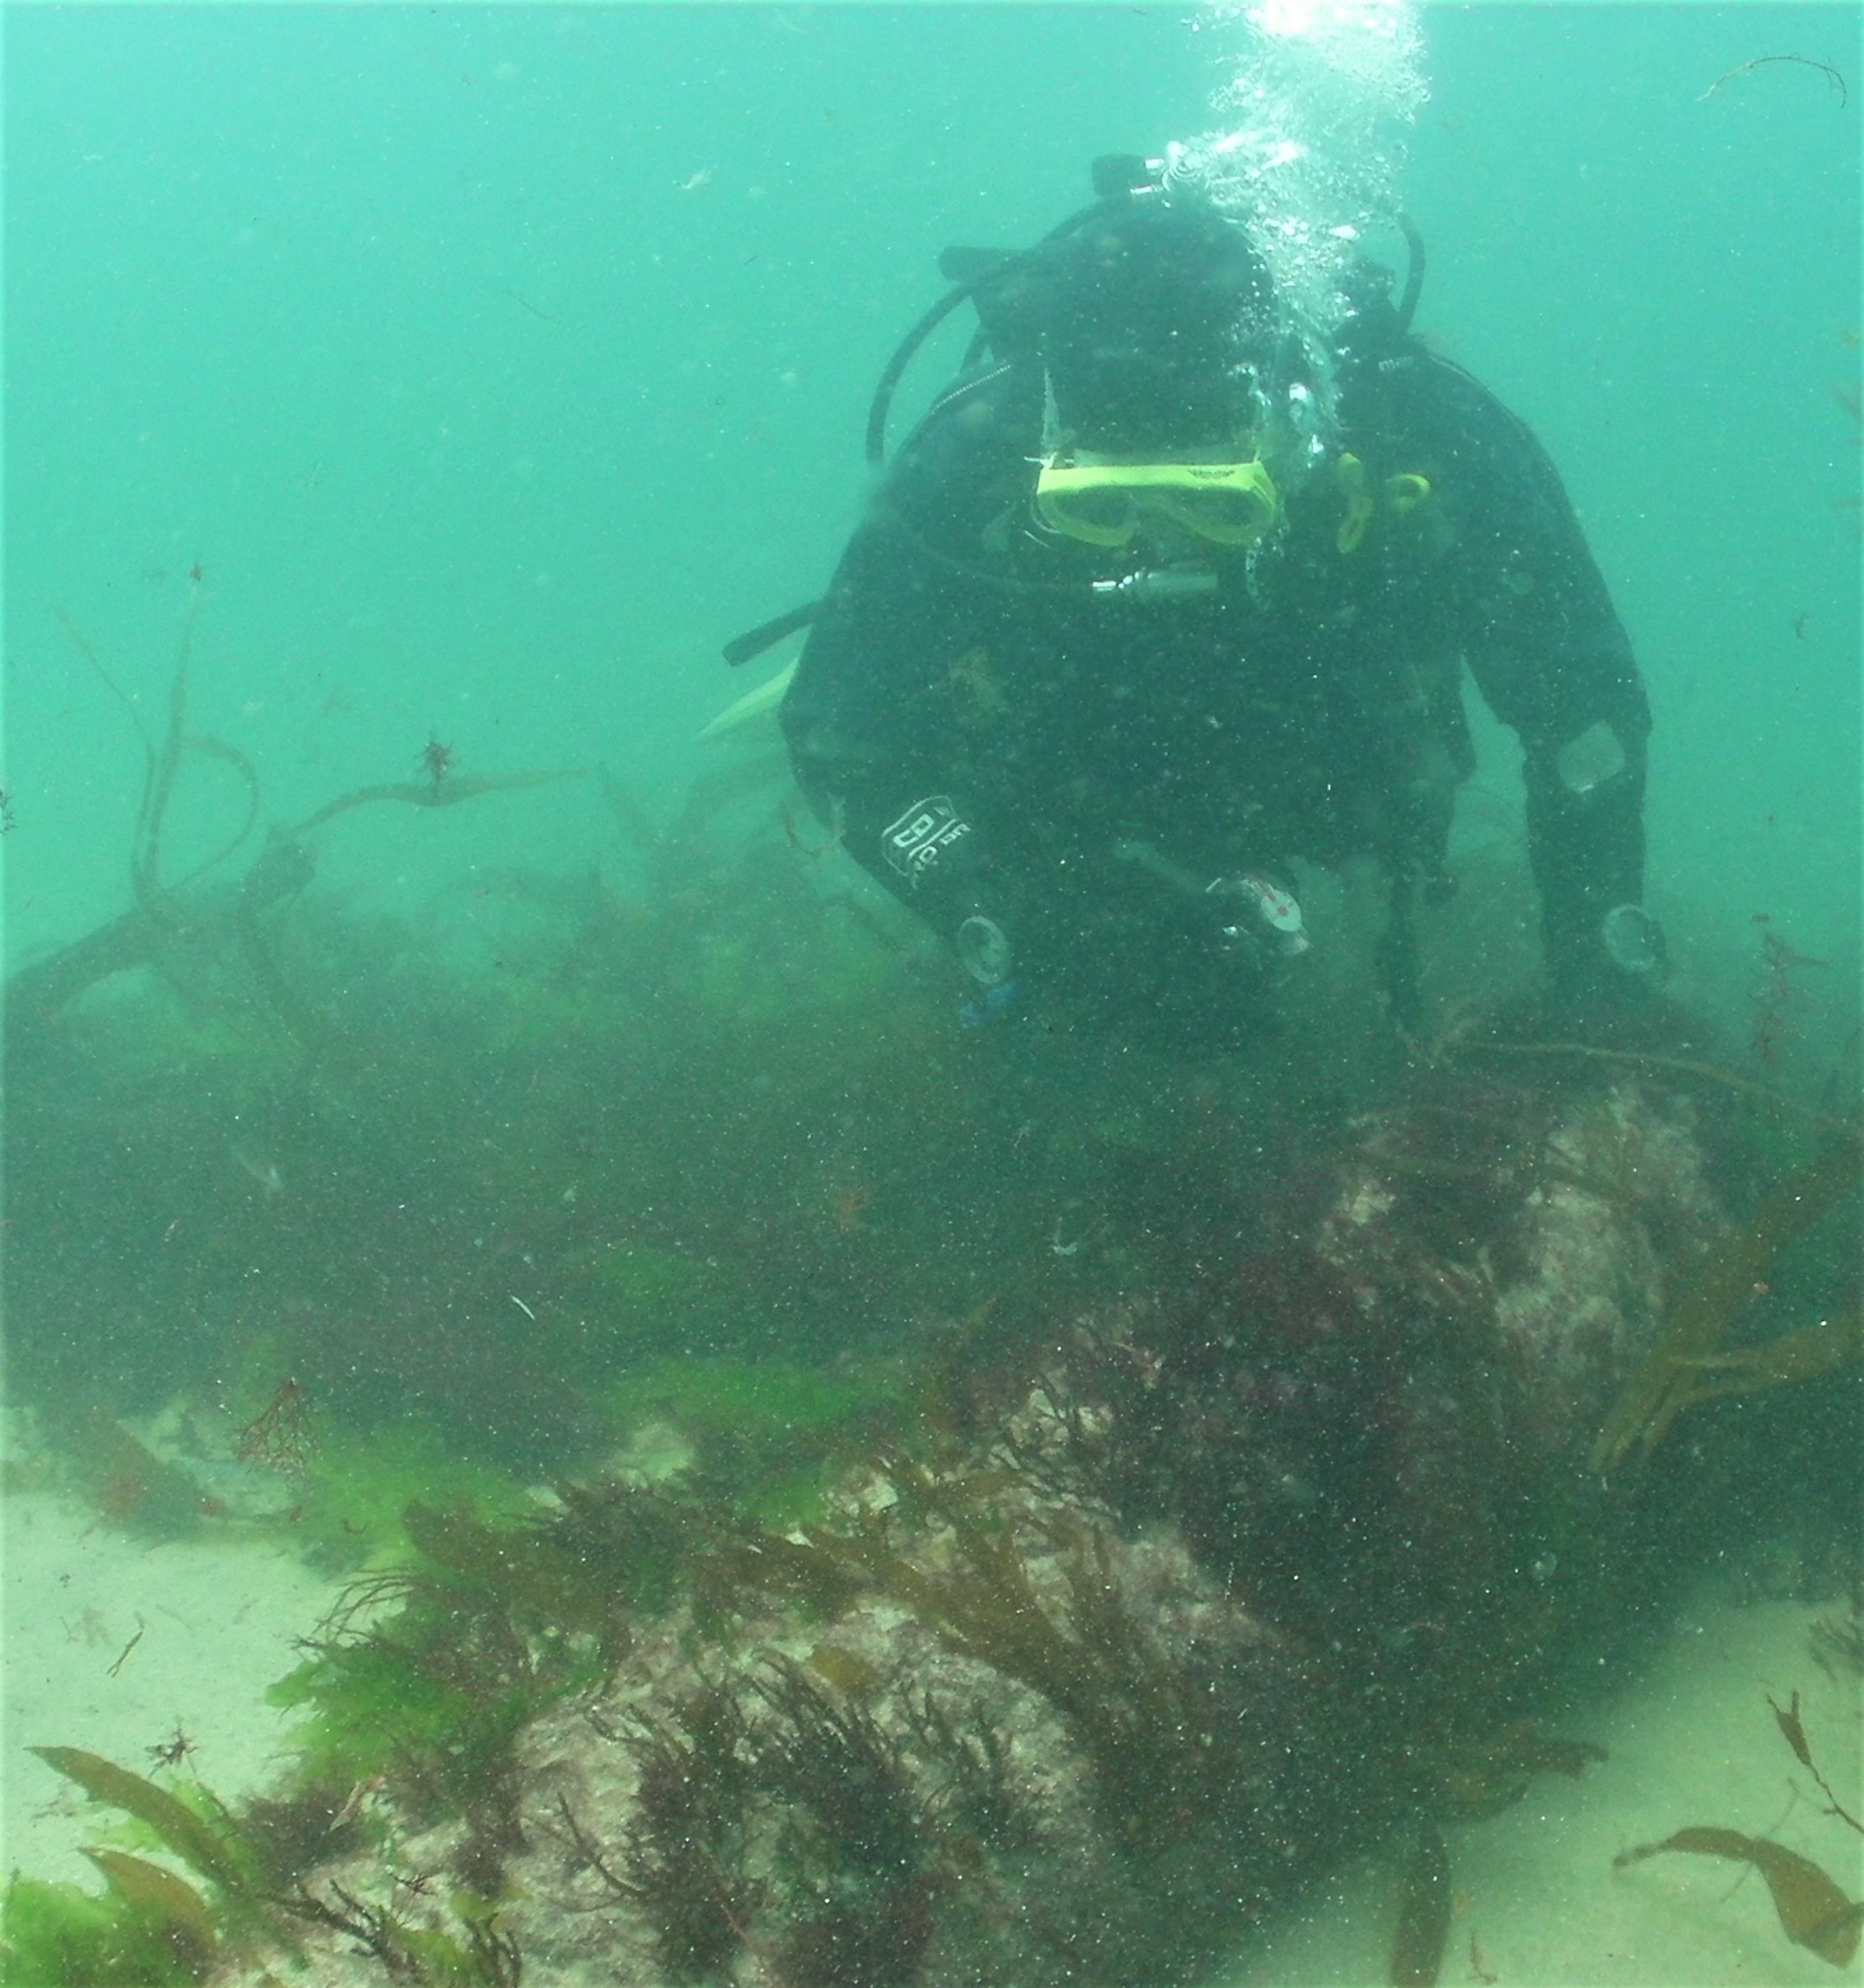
(525, 1289)
(497, 365)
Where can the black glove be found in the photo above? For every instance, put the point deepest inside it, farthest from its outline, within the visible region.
(1611, 972)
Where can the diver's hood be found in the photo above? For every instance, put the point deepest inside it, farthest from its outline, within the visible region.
(1156, 322)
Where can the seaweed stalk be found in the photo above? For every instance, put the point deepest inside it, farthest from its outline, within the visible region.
(430, 794)
(145, 868)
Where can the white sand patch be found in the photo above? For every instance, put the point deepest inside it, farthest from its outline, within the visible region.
(217, 1619)
(1691, 1742)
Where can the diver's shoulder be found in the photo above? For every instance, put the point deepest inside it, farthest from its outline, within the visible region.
(954, 470)
(985, 414)
(1435, 396)
(1413, 368)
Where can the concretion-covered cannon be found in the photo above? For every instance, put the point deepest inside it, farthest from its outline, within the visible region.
(1156, 1619)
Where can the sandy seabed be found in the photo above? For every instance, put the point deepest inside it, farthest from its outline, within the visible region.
(214, 1623)
(1691, 1742)
(1539, 1904)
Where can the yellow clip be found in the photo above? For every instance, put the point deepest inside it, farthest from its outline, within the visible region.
(1405, 492)
(1353, 527)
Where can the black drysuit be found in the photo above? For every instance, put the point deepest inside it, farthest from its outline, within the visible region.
(994, 740)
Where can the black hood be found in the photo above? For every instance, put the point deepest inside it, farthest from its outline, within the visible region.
(1154, 317)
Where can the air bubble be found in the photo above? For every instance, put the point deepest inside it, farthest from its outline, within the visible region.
(1319, 107)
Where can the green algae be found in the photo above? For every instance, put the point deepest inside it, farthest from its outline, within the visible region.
(151, 1928)
(57, 1936)
(350, 1506)
(764, 1435)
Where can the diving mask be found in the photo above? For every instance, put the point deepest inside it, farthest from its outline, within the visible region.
(1108, 503)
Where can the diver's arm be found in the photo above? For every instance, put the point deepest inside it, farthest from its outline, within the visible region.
(870, 715)
(1550, 655)
(868, 719)
(1585, 845)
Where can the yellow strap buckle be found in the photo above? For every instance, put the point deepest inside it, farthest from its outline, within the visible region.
(1401, 495)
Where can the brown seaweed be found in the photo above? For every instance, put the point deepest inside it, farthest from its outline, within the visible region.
(427, 793)
(1814, 1913)
(1425, 1909)
(39, 990)
(971, 1757)
(1776, 1103)
(489, 1955)
(1836, 1642)
(1480, 1778)
(1793, 1732)
(185, 1917)
(684, 1866)
(159, 911)
(857, 1839)
(200, 1846)
(1687, 1366)
(304, 1826)
(1153, 1730)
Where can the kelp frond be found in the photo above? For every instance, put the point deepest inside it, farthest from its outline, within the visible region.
(1751, 1089)
(162, 760)
(211, 1851)
(171, 1903)
(1426, 1906)
(1813, 1912)
(1687, 1366)
(160, 907)
(428, 794)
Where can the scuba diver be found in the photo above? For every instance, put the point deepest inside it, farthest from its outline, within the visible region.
(1158, 605)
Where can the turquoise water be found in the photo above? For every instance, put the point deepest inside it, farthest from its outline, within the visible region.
(465, 378)
(497, 365)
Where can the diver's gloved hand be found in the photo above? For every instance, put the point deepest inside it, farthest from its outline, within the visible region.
(984, 949)
(1258, 916)
(1613, 976)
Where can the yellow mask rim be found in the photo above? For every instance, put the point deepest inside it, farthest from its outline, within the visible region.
(1172, 490)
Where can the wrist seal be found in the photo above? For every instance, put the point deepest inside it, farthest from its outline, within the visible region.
(1633, 942)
